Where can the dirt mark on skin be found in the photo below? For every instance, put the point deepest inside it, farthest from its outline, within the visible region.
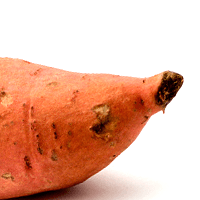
(54, 156)
(8, 176)
(52, 84)
(27, 162)
(39, 149)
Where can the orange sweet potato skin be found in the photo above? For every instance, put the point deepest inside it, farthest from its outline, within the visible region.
(58, 128)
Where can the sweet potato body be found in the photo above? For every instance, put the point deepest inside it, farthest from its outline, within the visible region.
(59, 128)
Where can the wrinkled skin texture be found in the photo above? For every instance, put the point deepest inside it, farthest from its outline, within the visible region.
(59, 128)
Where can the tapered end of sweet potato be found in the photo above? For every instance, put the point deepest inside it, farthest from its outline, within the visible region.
(170, 84)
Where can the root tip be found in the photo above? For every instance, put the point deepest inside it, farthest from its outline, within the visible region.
(170, 85)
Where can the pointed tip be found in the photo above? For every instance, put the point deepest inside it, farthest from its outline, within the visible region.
(170, 84)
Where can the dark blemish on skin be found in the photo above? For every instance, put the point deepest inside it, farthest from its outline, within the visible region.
(75, 92)
(8, 176)
(36, 72)
(113, 157)
(98, 128)
(27, 62)
(3, 93)
(52, 84)
(54, 156)
(33, 126)
(32, 111)
(27, 162)
(146, 118)
(149, 110)
(69, 133)
(55, 135)
(144, 80)
(39, 150)
(142, 101)
(53, 125)
(84, 77)
(112, 144)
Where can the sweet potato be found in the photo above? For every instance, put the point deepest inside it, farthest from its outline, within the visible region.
(59, 128)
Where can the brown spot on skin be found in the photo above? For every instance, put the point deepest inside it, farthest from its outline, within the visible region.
(27, 62)
(75, 91)
(112, 144)
(2, 94)
(33, 125)
(144, 80)
(149, 110)
(142, 101)
(53, 125)
(84, 77)
(36, 72)
(27, 162)
(54, 156)
(48, 181)
(113, 157)
(75, 94)
(32, 111)
(8, 176)
(39, 149)
(69, 133)
(52, 84)
(55, 133)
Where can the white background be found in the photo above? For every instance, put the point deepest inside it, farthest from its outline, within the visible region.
(134, 38)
